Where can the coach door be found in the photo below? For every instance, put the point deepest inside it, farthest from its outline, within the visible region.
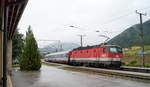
(104, 52)
(96, 54)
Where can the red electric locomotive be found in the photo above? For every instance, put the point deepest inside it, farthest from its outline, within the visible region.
(99, 55)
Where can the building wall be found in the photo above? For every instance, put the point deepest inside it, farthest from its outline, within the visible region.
(135, 47)
(5, 16)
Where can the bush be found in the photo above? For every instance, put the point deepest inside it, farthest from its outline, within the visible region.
(133, 62)
(31, 57)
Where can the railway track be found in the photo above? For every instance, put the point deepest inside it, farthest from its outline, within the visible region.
(131, 69)
(135, 69)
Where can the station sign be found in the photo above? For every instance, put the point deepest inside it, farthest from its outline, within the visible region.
(142, 53)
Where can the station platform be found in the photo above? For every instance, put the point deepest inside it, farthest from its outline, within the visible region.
(137, 75)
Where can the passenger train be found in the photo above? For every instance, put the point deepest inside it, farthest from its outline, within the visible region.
(98, 55)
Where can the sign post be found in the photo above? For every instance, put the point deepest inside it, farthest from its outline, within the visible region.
(142, 53)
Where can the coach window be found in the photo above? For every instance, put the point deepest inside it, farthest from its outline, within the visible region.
(66, 55)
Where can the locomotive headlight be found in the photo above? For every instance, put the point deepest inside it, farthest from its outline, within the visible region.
(117, 56)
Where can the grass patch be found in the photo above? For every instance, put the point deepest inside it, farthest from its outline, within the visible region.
(147, 65)
(132, 58)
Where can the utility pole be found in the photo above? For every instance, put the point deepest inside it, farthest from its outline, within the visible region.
(142, 36)
(81, 39)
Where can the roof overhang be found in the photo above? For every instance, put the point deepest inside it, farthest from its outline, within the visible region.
(14, 10)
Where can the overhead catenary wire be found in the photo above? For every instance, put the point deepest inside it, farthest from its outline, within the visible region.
(123, 16)
(117, 18)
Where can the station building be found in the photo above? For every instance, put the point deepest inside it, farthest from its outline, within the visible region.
(10, 14)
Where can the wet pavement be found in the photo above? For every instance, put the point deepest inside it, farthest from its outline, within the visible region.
(54, 77)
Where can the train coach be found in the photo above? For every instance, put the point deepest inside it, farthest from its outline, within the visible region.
(59, 57)
(98, 55)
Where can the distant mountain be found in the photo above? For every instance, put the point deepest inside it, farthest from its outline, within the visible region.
(58, 47)
(130, 37)
(47, 49)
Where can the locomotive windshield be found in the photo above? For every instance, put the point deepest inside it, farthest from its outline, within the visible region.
(115, 50)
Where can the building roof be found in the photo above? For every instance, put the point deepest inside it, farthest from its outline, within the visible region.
(13, 13)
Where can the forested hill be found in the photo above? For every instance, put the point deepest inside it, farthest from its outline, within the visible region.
(130, 37)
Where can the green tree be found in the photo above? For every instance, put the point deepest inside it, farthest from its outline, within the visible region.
(17, 45)
(31, 57)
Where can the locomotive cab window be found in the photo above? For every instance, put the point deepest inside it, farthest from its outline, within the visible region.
(115, 50)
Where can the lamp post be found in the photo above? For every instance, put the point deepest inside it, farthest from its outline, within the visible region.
(80, 35)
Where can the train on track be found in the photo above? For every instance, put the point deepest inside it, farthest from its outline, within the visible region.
(98, 56)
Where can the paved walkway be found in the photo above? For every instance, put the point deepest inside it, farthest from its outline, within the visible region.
(55, 77)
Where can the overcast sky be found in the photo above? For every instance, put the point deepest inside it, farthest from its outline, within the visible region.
(50, 19)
